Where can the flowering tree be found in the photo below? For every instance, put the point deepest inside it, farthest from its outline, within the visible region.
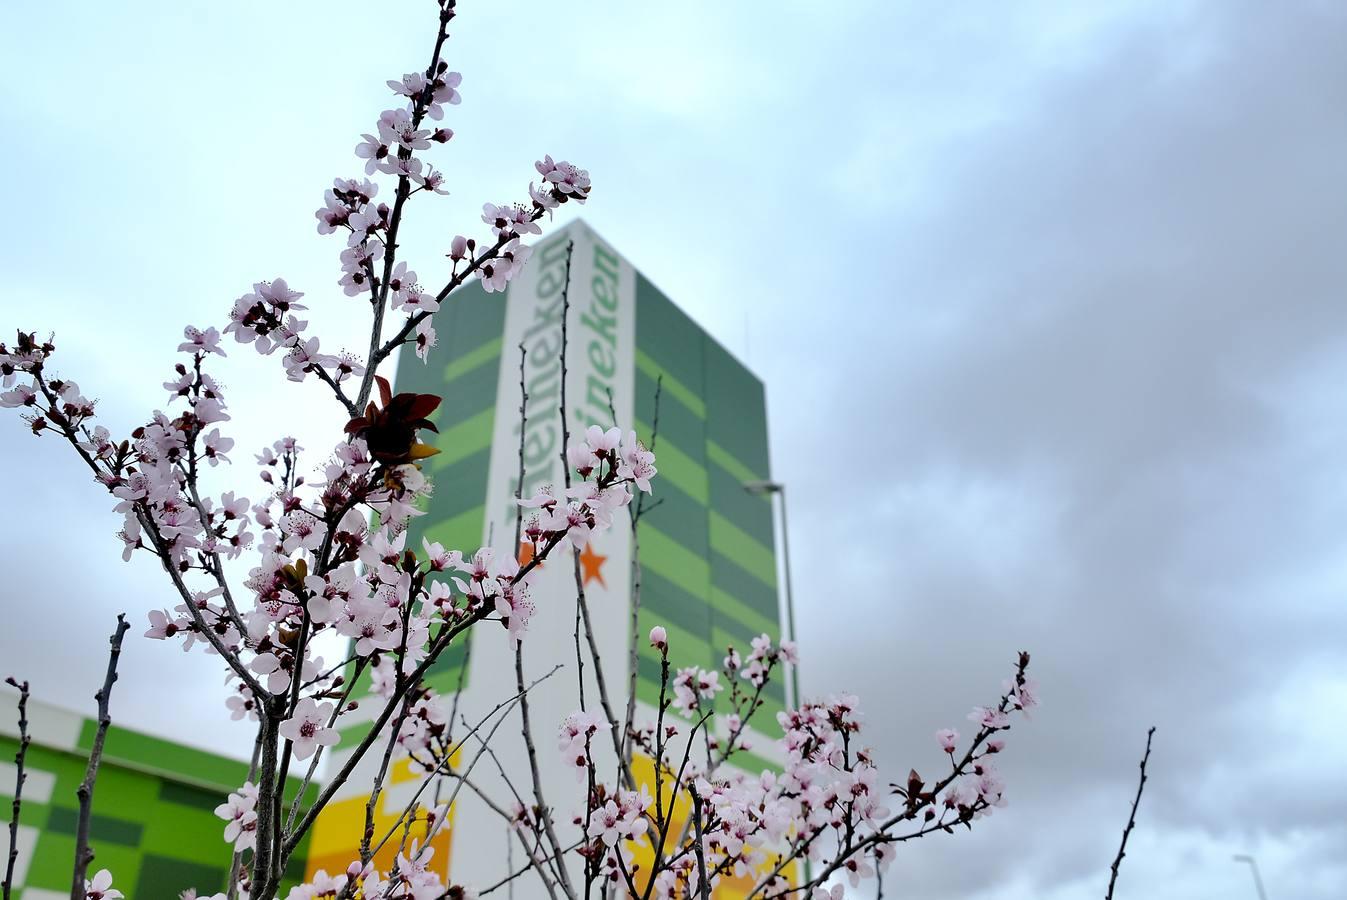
(329, 555)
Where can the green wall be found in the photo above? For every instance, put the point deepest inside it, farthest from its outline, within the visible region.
(153, 822)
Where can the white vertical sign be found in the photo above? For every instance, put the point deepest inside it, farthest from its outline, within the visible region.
(600, 358)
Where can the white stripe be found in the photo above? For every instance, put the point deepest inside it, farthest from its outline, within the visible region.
(37, 785)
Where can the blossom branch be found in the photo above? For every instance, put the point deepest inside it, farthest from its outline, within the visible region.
(444, 764)
(318, 754)
(918, 799)
(419, 103)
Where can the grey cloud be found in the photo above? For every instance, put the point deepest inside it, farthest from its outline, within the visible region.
(1100, 440)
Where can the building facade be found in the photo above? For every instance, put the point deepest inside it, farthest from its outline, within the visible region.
(153, 824)
(707, 566)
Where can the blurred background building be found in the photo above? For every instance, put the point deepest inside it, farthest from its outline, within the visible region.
(153, 825)
(707, 563)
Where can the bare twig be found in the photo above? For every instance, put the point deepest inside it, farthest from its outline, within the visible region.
(544, 814)
(407, 703)
(581, 604)
(634, 659)
(83, 854)
(1131, 819)
(598, 676)
(526, 727)
(318, 754)
(447, 761)
(517, 872)
(523, 428)
(660, 818)
(566, 462)
(372, 802)
(548, 882)
(18, 784)
(462, 677)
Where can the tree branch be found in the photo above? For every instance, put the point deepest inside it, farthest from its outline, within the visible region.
(544, 814)
(1131, 819)
(18, 784)
(83, 854)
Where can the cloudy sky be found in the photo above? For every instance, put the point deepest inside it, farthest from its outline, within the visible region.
(1048, 298)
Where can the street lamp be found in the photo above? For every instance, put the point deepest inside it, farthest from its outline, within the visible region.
(1253, 867)
(776, 488)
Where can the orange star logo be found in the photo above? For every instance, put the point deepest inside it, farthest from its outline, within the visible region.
(591, 565)
(526, 554)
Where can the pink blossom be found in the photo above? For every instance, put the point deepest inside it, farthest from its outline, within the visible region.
(239, 813)
(216, 446)
(199, 341)
(374, 151)
(987, 717)
(432, 180)
(638, 463)
(162, 626)
(372, 624)
(446, 90)
(577, 729)
(100, 887)
(602, 442)
(307, 728)
(395, 126)
(948, 739)
(693, 685)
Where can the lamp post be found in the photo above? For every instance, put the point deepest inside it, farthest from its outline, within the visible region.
(1253, 867)
(776, 488)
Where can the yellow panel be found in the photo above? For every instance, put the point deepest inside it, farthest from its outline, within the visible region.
(335, 841)
(643, 850)
(336, 835)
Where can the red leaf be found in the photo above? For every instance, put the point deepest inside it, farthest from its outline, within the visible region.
(422, 405)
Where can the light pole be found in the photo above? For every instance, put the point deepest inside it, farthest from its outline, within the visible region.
(1253, 867)
(776, 488)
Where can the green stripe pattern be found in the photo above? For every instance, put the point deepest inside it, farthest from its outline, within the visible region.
(706, 550)
(707, 560)
(464, 370)
(153, 822)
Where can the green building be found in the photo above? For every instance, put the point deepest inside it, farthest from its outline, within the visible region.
(153, 822)
(708, 570)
